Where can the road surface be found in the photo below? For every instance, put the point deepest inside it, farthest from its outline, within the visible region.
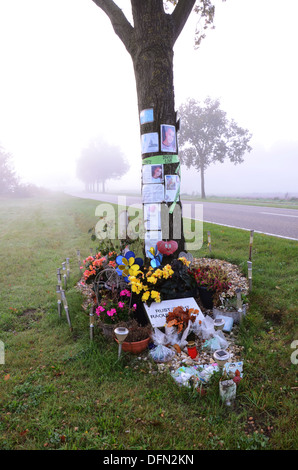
(272, 221)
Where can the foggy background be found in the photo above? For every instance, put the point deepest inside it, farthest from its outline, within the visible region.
(66, 79)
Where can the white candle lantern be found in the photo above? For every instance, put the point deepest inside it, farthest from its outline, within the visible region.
(219, 323)
(221, 356)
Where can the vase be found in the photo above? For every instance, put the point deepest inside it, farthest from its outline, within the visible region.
(135, 347)
(206, 297)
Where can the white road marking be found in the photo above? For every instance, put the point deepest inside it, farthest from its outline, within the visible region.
(242, 228)
(280, 215)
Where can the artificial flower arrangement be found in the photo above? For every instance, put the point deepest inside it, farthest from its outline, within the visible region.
(163, 282)
(180, 317)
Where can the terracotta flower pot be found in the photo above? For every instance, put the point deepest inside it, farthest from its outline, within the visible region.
(135, 347)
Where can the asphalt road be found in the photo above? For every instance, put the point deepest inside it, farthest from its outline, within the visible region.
(268, 220)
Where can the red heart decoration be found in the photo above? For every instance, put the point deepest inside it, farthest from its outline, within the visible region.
(167, 248)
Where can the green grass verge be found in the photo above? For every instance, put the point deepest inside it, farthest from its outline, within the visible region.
(291, 203)
(58, 390)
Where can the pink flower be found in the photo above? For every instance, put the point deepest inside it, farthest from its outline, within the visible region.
(111, 312)
(125, 292)
(99, 310)
(121, 304)
(135, 306)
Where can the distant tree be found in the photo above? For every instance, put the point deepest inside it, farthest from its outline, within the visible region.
(208, 136)
(98, 163)
(8, 178)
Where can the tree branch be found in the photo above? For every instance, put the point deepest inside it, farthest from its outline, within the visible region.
(180, 16)
(120, 23)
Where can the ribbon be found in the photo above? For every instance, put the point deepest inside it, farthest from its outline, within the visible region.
(161, 159)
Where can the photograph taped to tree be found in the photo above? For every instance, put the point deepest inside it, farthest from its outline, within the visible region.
(152, 174)
(172, 184)
(146, 116)
(152, 193)
(152, 216)
(151, 239)
(168, 138)
(149, 142)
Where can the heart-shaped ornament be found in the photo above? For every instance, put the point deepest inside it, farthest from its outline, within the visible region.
(168, 247)
(187, 256)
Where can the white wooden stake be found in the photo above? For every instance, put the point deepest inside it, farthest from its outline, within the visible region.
(67, 268)
(209, 240)
(250, 243)
(249, 269)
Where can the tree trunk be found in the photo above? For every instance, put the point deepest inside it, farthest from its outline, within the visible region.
(152, 56)
(150, 43)
(203, 195)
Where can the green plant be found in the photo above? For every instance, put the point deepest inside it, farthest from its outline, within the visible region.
(214, 278)
(96, 264)
(115, 307)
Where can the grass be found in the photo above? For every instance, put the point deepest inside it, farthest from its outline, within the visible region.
(58, 390)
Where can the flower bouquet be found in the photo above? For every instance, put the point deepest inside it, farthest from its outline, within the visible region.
(180, 317)
(171, 281)
(95, 264)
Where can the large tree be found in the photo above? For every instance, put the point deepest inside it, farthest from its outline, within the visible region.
(100, 162)
(150, 41)
(208, 136)
(8, 178)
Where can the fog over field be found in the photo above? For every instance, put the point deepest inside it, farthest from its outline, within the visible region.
(66, 79)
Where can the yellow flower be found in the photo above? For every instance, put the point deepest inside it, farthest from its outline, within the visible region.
(145, 296)
(158, 273)
(155, 295)
(167, 271)
(184, 261)
(152, 279)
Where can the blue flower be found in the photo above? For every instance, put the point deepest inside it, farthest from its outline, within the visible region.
(128, 265)
(156, 258)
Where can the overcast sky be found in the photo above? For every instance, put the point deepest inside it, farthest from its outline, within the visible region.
(66, 78)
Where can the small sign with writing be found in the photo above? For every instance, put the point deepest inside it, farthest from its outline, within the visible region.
(158, 311)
